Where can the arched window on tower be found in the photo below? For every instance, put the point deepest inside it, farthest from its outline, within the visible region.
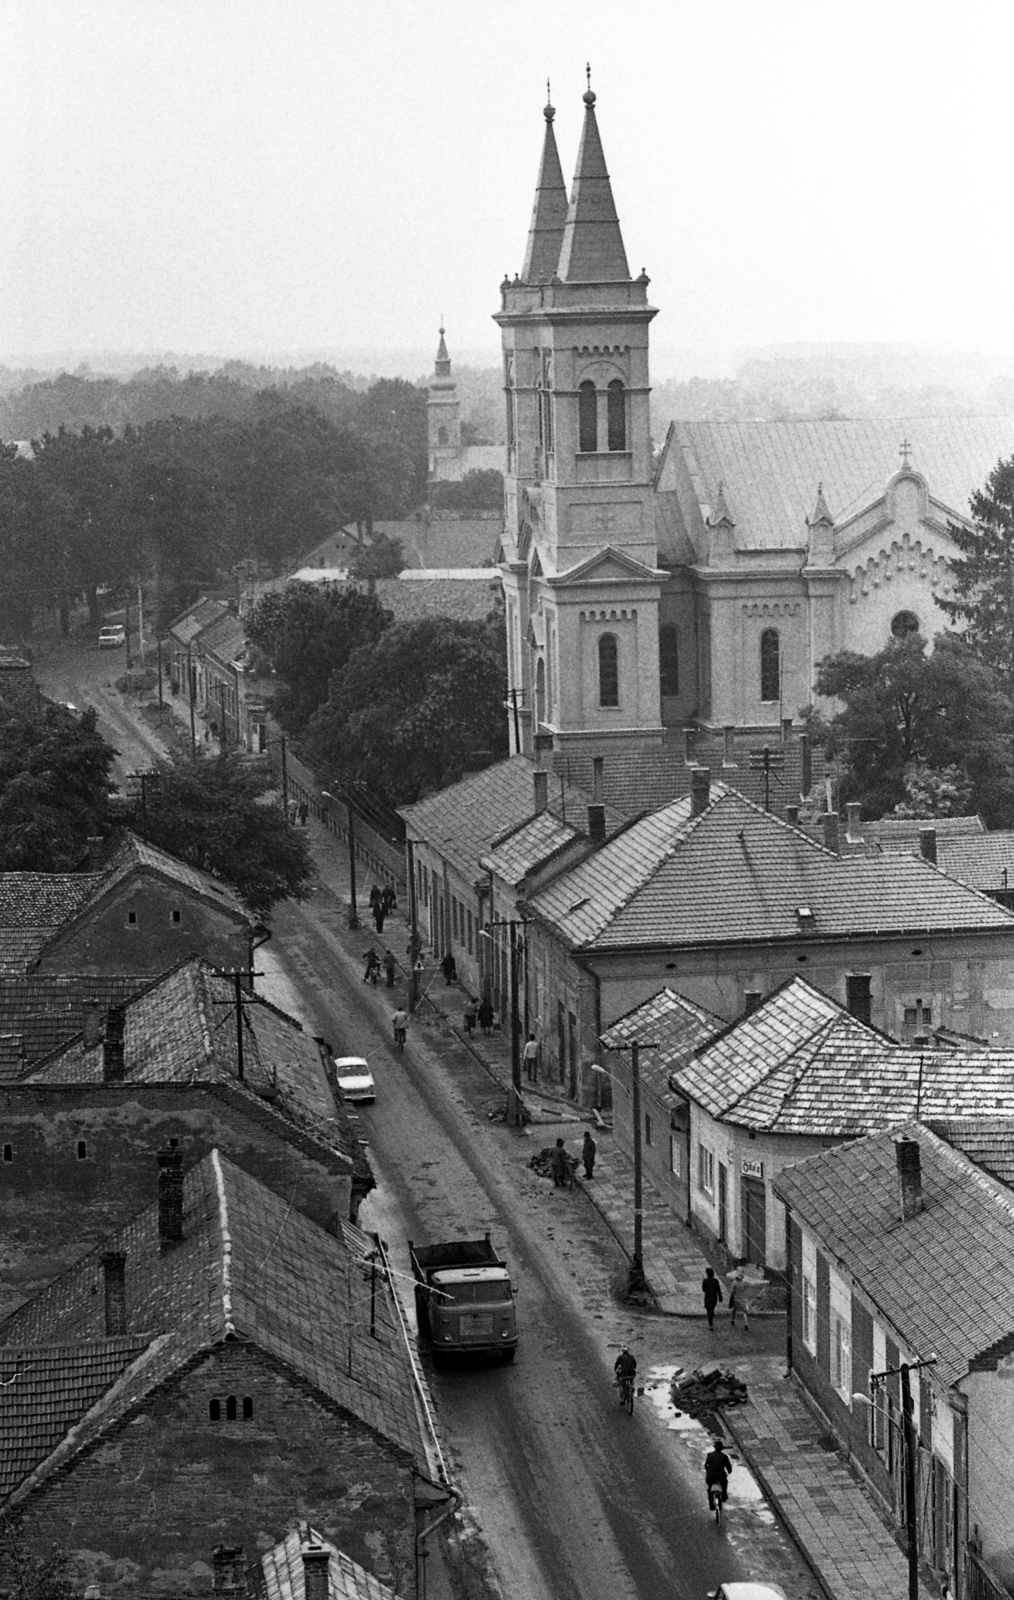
(442, 436)
(668, 661)
(547, 400)
(540, 693)
(609, 671)
(511, 402)
(587, 418)
(770, 666)
(616, 412)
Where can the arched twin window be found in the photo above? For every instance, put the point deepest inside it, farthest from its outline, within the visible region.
(770, 666)
(588, 417)
(616, 415)
(668, 661)
(609, 671)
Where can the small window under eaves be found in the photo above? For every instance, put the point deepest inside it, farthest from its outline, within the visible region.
(805, 918)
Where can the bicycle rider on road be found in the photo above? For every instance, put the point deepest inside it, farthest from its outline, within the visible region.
(625, 1366)
(717, 1467)
(400, 1023)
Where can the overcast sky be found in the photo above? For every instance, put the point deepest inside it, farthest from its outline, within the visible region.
(267, 176)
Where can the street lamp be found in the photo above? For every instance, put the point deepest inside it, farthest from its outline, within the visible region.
(514, 1099)
(636, 1281)
(904, 1372)
(346, 800)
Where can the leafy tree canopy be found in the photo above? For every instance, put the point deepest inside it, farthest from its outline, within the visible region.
(32, 1567)
(983, 598)
(214, 815)
(54, 788)
(476, 491)
(307, 632)
(908, 714)
(412, 712)
(384, 558)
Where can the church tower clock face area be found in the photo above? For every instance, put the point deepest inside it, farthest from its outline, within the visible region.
(580, 571)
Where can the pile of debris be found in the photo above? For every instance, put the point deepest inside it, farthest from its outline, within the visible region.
(700, 1394)
(542, 1159)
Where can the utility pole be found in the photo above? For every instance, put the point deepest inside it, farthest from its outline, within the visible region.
(636, 1281)
(413, 919)
(515, 1098)
(190, 696)
(911, 1451)
(158, 647)
(285, 782)
(353, 908)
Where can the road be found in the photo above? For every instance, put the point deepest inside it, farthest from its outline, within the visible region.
(572, 1498)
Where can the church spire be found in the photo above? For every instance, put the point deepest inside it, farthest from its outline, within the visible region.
(442, 366)
(549, 213)
(592, 250)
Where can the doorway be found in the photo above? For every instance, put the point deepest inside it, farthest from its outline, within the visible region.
(755, 1221)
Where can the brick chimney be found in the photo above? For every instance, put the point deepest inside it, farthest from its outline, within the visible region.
(751, 1000)
(689, 736)
(853, 825)
(598, 778)
(700, 790)
(91, 1023)
(909, 1177)
(728, 745)
(543, 743)
(792, 816)
(228, 1569)
(541, 789)
(831, 841)
(113, 1065)
(786, 729)
(114, 1274)
(596, 823)
(316, 1564)
(805, 763)
(170, 1196)
(928, 844)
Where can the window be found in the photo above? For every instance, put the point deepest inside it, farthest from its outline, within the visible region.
(858, 999)
(616, 415)
(919, 1016)
(511, 402)
(547, 401)
(609, 671)
(215, 1410)
(230, 1408)
(82, 1150)
(8, 1152)
(675, 1155)
(705, 1169)
(587, 418)
(840, 1305)
(649, 1132)
(668, 661)
(174, 916)
(770, 666)
(471, 934)
(809, 1275)
(247, 1408)
(442, 437)
(904, 623)
(131, 919)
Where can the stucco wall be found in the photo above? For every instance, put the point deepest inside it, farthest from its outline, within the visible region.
(105, 940)
(991, 1463)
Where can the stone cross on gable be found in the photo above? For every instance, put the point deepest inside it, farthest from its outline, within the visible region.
(905, 452)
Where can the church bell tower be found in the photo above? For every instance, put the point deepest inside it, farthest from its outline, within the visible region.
(580, 577)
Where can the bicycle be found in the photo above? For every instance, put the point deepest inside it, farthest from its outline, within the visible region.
(716, 1497)
(626, 1383)
(399, 1038)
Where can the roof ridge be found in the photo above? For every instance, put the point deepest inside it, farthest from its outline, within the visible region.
(226, 1260)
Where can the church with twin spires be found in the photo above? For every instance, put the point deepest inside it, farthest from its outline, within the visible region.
(698, 591)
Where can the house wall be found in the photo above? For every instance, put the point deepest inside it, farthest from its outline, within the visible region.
(57, 1204)
(104, 939)
(991, 1463)
(450, 914)
(168, 1485)
(665, 1147)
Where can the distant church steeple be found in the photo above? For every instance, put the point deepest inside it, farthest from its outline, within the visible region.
(592, 249)
(443, 419)
(549, 213)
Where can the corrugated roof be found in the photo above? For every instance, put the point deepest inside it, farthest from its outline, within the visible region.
(943, 1279)
(771, 470)
(249, 1267)
(738, 874)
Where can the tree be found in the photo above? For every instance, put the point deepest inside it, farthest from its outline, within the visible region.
(31, 1567)
(412, 712)
(54, 788)
(983, 598)
(307, 632)
(476, 491)
(33, 527)
(908, 714)
(384, 558)
(214, 815)
(392, 421)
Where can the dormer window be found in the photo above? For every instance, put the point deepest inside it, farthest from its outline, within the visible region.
(805, 918)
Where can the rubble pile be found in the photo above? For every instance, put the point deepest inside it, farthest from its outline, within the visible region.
(700, 1394)
(540, 1162)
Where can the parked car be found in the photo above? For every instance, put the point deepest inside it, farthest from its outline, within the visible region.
(747, 1591)
(355, 1080)
(113, 637)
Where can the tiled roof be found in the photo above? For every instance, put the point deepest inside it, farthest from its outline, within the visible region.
(462, 821)
(902, 833)
(737, 874)
(986, 1140)
(279, 1574)
(770, 470)
(650, 779)
(225, 637)
(33, 906)
(43, 1011)
(943, 1279)
(676, 1025)
(249, 1267)
(463, 599)
(984, 861)
(526, 846)
(133, 852)
(45, 1389)
(187, 627)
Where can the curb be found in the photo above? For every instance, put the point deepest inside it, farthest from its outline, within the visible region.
(775, 1500)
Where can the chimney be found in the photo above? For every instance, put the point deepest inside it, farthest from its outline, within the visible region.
(597, 823)
(786, 729)
(316, 1563)
(94, 844)
(543, 745)
(751, 1000)
(700, 790)
(728, 745)
(830, 821)
(113, 1065)
(928, 844)
(805, 764)
(792, 816)
(909, 1177)
(113, 1264)
(91, 1014)
(854, 826)
(170, 1196)
(689, 735)
(598, 771)
(228, 1569)
(541, 789)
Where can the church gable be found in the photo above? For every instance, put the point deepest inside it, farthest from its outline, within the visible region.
(607, 566)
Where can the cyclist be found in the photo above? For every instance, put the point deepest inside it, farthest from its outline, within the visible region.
(717, 1467)
(399, 1022)
(625, 1368)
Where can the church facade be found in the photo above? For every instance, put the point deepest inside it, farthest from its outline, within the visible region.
(701, 590)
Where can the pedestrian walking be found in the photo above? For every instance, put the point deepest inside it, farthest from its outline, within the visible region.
(739, 1299)
(388, 899)
(449, 968)
(712, 1291)
(372, 967)
(485, 1015)
(530, 1056)
(378, 916)
(559, 1166)
(389, 966)
(292, 813)
(588, 1151)
(470, 1019)
(376, 898)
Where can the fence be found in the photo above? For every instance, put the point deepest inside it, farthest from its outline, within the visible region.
(384, 858)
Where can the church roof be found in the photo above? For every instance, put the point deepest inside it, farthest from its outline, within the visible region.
(770, 469)
(549, 213)
(592, 249)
